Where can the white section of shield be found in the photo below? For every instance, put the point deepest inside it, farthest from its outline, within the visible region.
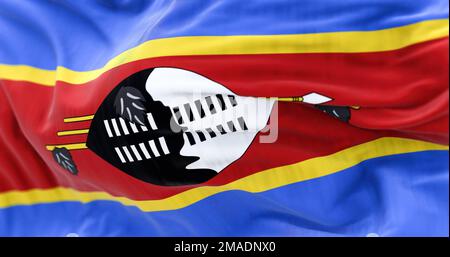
(175, 87)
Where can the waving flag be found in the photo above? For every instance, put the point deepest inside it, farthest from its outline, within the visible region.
(224, 118)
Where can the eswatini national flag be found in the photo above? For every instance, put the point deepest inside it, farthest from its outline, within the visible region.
(224, 118)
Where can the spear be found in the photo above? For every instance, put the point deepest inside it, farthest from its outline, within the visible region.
(311, 98)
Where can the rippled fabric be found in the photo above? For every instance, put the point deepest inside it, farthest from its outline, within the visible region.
(383, 170)
(84, 35)
(372, 198)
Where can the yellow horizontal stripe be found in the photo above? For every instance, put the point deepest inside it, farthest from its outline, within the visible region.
(258, 182)
(334, 42)
(76, 119)
(72, 132)
(76, 146)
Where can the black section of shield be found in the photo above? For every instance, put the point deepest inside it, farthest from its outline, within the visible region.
(64, 159)
(129, 104)
(167, 170)
(340, 112)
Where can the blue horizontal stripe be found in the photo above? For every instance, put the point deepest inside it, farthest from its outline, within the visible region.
(84, 35)
(400, 195)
